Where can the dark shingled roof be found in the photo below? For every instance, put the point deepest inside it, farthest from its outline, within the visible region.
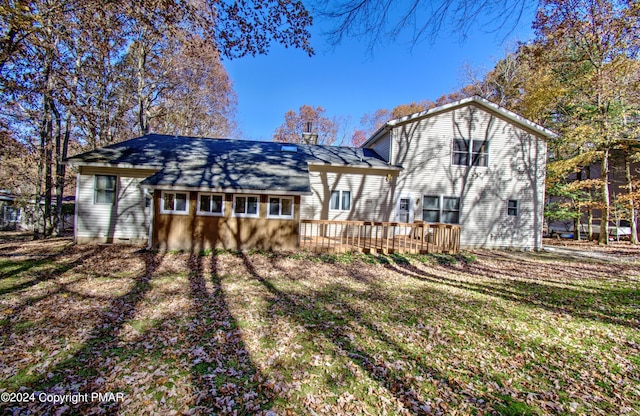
(225, 164)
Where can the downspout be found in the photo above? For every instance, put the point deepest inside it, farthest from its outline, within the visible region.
(151, 212)
(75, 211)
(391, 141)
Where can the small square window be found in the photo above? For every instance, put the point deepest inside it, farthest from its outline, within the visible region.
(210, 204)
(246, 206)
(280, 207)
(512, 207)
(175, 203)
(340, 200)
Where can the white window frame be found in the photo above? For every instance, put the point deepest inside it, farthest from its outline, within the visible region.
(95, 190)
(209, 213)
(470, 153)
(516, 208)
(340, 201)
(280, 198)
(174, 211)
(441, 210)
(245, 215)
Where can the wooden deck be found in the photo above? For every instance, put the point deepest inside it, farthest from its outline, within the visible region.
(326, 236)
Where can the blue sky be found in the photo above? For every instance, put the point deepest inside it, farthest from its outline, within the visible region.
(348, 81)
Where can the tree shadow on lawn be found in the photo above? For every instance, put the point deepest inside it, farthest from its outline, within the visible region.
(50, 274)
(12, 268)
(79, 373)
(225, 377)
(315, 312)
(518, 264)
(14, 237)
(602, 305)
(202, 343)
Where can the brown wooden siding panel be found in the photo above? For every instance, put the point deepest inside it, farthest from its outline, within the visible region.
(198, 232)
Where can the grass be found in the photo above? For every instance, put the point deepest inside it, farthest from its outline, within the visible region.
(483, 332)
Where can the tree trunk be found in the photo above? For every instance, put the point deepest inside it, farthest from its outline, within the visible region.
(142, 110)
(62, 146)
(632, 210)
(48, 196)
(58, 163)
(44, 169)
(37, 212)
(590, 224)
(606, 210)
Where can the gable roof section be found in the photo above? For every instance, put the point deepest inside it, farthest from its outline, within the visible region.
(223, 164)
(480, 102)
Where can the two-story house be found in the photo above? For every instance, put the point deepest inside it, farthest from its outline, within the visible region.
(471, 163)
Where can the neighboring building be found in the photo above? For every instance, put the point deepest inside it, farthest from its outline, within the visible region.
(619, 220)
(18, 213)
(471, 162)
(11, 214)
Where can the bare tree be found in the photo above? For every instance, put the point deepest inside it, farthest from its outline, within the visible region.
(378, 21)
(66, 75)
(310, 120)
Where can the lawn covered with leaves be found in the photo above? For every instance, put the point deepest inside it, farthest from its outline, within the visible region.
(487, 332)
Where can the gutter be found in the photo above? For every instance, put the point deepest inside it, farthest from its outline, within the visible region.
(375, 136)
(76, 164)
(386, 166)
(223, 190)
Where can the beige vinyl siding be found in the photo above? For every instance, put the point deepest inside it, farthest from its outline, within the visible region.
(515, 171)
(370, 194)
(382, 146)
(126, 220)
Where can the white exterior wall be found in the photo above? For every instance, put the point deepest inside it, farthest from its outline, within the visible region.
(382, 146)
(370, 194)
(125, 221)
(516, 170)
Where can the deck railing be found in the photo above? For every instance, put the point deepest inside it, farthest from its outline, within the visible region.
(378, 237)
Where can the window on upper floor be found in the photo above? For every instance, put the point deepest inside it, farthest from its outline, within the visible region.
(105, 189)
(470, 152)
(512, 207)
